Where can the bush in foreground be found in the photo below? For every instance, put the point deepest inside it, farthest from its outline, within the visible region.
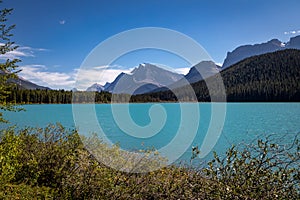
(52, 163)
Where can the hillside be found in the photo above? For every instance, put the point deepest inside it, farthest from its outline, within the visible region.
(27, 85)
(270, 77)
(23, 84)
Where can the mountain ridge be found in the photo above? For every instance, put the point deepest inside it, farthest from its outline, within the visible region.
(200, 71)
(245, 51)
(271, 77)
(95, 88)
(145, 78)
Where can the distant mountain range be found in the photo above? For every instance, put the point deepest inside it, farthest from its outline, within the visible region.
(247, 51)
(197, 73)
(148, 77)
(145, 78)
(271, 77)
(95, 88)
(25, 84)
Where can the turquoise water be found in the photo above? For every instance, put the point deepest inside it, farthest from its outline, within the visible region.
(244, 122)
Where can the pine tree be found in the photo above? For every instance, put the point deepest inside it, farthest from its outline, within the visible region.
(8, 66)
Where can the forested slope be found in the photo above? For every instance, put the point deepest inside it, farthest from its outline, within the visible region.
(269, 77)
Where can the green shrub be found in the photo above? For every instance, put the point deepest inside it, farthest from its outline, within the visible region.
(52, 163)
(262, 171)
(10, 152)
(23, 191)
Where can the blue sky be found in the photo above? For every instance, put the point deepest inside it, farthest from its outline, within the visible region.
(56, 36)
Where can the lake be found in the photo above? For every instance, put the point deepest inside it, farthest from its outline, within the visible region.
(244, 122)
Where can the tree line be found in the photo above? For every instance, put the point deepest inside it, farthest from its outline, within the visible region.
(272, 77)
(21, 96)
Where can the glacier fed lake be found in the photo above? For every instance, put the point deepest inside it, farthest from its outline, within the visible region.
(244, 123)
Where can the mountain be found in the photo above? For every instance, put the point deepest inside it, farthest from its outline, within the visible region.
(145, 78)
(271, 77)
(112, 85)
(25, 84)
(107, 84)
(294, 43)
(95, 88)
(246, 51)
(198, 72)
(206, 68)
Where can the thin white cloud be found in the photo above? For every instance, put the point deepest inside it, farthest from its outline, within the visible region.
(22, 51)
(100, 67)
(62, 22)
(291, 32)
(31, 49)
(14, 55)
(38, 74)
(79, 78)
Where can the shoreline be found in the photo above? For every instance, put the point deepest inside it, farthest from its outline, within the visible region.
(167, 102)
